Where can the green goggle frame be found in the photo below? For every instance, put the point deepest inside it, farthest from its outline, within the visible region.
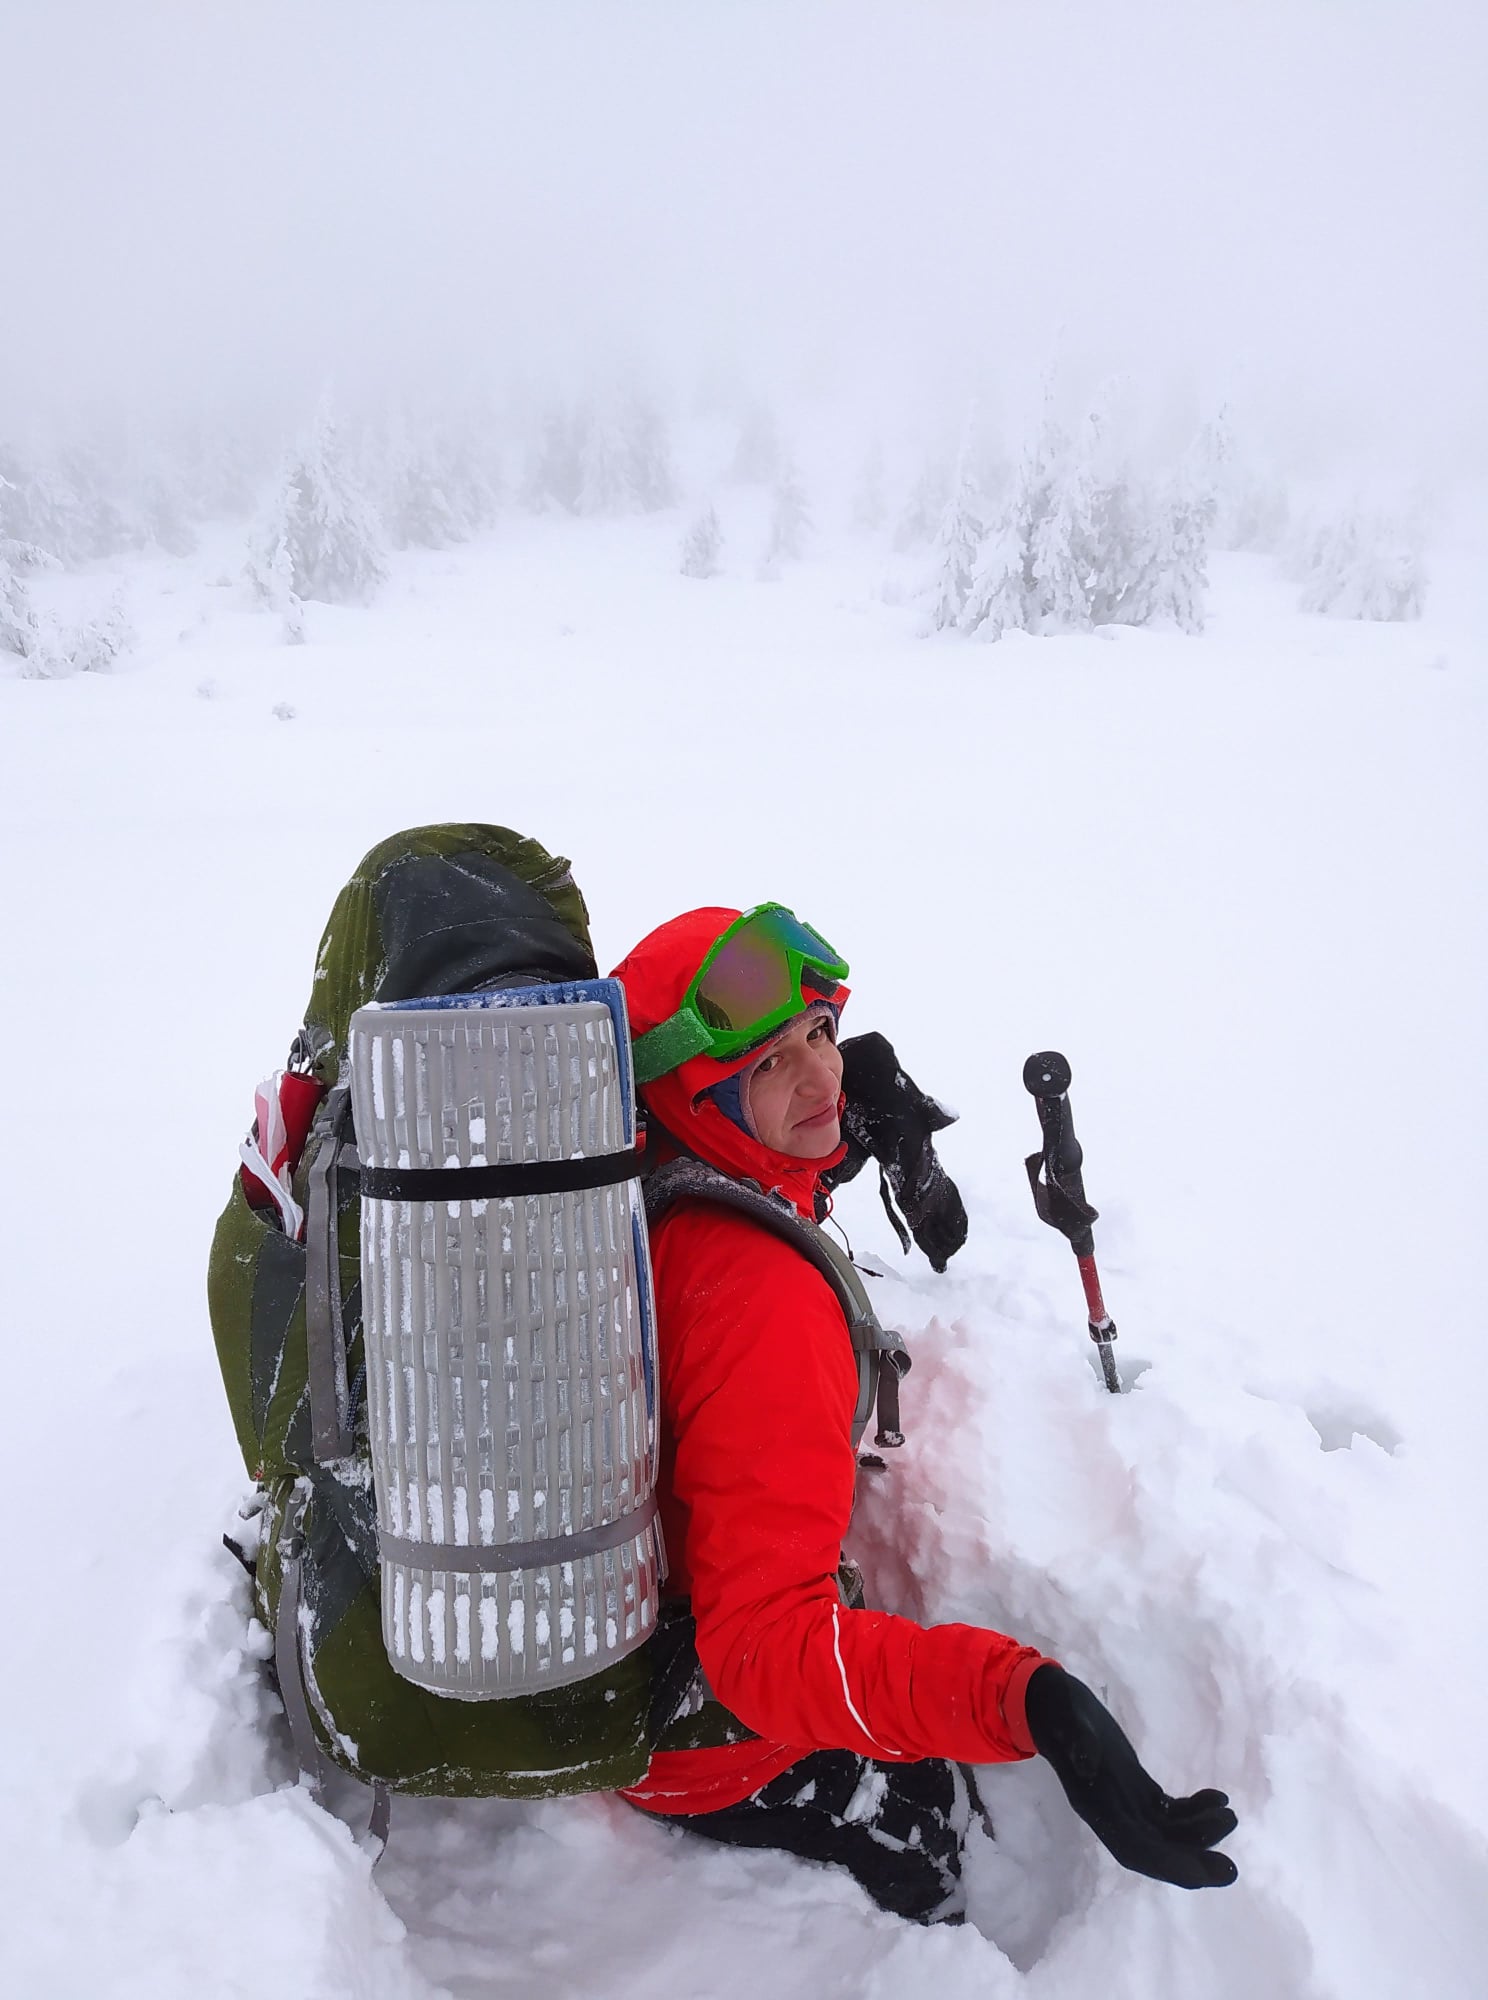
(751, 983)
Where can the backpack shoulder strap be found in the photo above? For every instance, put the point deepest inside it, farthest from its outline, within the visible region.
(688, 1178)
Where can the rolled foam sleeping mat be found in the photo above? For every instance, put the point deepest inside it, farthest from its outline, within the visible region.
(510, 1384)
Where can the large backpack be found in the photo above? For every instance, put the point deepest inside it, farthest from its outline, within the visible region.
(435, 911)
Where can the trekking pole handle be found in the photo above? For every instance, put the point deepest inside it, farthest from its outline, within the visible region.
(1046, 1077)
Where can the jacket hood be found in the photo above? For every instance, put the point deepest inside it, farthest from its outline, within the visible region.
(655, 976)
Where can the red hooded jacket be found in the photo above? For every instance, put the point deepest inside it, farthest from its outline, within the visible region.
(758, 1382)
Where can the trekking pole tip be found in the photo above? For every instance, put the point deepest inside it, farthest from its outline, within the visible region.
(1046, 1074)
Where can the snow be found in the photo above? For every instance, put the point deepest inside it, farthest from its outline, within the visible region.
(1237, 879)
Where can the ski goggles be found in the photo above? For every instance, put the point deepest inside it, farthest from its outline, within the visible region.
(753, 980)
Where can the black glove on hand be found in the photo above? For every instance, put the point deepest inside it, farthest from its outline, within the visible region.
(889, 1118)
(1169, 1839)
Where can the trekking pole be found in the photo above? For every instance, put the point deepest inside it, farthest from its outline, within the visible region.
(1059, 1193)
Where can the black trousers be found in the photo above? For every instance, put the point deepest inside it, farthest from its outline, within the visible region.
(896, 1828)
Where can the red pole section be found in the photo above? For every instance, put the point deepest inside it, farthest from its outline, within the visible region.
(1090, 1279)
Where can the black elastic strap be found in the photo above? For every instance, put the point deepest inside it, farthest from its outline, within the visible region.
(507, 1182)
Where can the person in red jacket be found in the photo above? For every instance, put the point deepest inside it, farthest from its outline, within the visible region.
(824, 1728)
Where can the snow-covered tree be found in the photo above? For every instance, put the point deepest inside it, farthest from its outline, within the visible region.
(39, 507)
(963, 529)
(920, 518)
(436, 493)
(555, 471)
(869, 510)
(1361, 563)
(100, 521)
(162, 512)
(321, 524)
(604, 469)
(1082, 541)
(790, 520)
(1179, 562)
(650, 475)
(1061, 558)
(702, 545)
(757, 457)
(271, 571)
(1027, 557)
(1248, 507)
(97, 642)
(20, 635)
(996, 601)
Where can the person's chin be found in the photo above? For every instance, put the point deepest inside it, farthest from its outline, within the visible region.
(814, 1142)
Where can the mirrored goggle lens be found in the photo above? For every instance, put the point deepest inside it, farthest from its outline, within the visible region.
(751, 978)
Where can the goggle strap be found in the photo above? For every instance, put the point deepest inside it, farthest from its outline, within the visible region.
(670, 1044)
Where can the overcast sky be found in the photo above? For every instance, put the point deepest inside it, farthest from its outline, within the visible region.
(889, 203)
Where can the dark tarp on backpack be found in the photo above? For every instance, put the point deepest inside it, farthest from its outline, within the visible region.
(440, 909)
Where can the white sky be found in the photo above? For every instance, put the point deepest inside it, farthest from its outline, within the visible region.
(896, 203)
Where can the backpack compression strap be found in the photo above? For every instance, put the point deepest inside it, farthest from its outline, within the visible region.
(689, 1178)
(325, 1328)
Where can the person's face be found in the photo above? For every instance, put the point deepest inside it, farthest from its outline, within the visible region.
(793, 1090)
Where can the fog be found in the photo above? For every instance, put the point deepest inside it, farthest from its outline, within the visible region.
(879, 210)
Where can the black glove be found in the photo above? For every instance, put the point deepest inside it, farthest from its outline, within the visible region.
(890, 1119)
(1169, 1839)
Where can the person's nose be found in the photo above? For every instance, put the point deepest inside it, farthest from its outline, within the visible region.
(817, 1075)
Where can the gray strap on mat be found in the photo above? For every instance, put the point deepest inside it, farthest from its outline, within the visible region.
(462, 1559)
(325, 1334)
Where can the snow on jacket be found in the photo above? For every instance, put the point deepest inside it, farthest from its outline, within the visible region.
(758, 1382)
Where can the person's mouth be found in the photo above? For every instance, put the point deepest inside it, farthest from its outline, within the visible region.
(818, 1119)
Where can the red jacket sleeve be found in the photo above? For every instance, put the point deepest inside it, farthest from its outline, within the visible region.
(759, 1382)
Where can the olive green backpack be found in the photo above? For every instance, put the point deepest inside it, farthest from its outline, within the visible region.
(433, 911)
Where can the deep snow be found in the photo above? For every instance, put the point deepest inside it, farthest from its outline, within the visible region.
(1239, 880)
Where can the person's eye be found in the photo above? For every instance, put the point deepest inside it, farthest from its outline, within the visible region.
(764, 1067)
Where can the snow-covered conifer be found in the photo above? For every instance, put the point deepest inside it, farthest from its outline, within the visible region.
(97, 642)
(1362, 563)
(39, 507)
(790, 520)
(757, 453)
(650, 476)
(20, 635)
(702, 545)
(322, 521)
(997, 600)
(436, 493)
(162, 511)
(1179, 563)
(923, 511)
(869, 510)
(271, 570)
(555, 467)
(1059, 549)
(1029, 559)
(1248, 509)
(604, 469)
(963, 528)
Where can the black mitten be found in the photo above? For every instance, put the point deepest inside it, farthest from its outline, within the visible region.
(890, 1119)
(1169, 1839)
